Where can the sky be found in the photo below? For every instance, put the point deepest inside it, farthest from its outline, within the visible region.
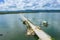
(14, 5)
(1, 0)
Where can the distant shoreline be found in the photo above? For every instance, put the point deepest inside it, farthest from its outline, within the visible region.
(28, 11)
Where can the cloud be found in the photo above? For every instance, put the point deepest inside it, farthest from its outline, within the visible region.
(12, 5)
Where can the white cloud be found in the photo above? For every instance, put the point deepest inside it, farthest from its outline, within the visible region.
(28, 4)
(58, 1)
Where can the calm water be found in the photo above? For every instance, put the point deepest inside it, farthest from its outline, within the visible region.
(12, 28)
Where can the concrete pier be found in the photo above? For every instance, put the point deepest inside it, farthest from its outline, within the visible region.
(40, 33)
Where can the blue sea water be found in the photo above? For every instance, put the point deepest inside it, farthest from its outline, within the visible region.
(12, 27)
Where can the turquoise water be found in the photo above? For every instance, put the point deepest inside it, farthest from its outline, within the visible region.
(12, 27)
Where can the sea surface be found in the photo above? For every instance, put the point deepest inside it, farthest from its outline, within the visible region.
(12, 28)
